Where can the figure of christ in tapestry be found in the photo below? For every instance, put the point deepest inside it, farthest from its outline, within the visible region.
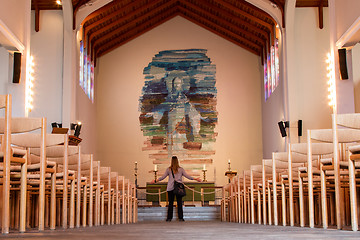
(178, 107)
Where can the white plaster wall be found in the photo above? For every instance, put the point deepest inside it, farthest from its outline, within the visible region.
(47, 50)
(12, 13)
(307, 47)
(120, 79)
(356, 75)
(5, 72)
(15, 17)
(308, 92)
(86, 114)
(347, 11)
(272, 113)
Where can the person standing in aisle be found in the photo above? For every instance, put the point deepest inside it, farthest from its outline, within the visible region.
(175, 173)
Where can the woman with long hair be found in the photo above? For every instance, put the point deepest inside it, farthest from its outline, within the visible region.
(178, 172)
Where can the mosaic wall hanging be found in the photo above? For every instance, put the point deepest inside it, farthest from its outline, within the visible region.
(178, 108)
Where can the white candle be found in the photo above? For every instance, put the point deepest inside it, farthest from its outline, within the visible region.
(204, 167)
(155, 168)
(229, 160)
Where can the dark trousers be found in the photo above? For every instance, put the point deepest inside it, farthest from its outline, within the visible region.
(171, 197)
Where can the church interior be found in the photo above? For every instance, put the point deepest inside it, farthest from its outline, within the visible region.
(258, 99)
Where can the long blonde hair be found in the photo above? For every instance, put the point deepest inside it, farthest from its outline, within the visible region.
(174, 164)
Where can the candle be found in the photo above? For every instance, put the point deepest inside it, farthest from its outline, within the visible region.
(155, 168)
(204, 167)
(229, 161)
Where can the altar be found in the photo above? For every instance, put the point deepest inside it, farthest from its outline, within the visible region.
(191, 196)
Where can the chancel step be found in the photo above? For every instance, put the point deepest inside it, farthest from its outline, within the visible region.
(211, 213)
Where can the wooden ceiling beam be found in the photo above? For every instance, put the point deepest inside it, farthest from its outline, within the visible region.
(45, 5)
(228, 15)
(130, 24)
(258, 11)
(246, 14)
(225, 30)
(225, 23)
(238, 42)
(321, 14)
(103, 49)
(312, 3)
(37, 16)
(100, 31)
(107, 17)
(268, 26)
(98, 12)
(115, 43)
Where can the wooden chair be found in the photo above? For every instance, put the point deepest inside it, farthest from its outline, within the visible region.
(266, 173)
(297, 158)
(113, 196)
(60, 153)
(22, 138)
(279, 165)
(266, 176)
(75, 164)
(334, 170)
(87, 170)
(246, 195)
(354, 178)
(313, 152)
(237, 196)
(352, 121)
(255, 179)
(105, 178)
(122, 199)
(97, 209)
(5, 153)
(236, 188)
(34, 166)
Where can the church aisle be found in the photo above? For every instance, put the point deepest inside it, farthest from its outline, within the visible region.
(187, 230)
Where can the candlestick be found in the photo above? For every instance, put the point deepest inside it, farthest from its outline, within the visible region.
(136, 174)
(204, 175)
(155, 172)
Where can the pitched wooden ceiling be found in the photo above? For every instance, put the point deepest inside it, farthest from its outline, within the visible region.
(120, 21)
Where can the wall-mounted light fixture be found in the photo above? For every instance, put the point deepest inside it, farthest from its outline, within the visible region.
(29, 86)
(331, 80)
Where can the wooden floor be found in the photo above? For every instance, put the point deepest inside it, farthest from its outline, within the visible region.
(187, 230)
